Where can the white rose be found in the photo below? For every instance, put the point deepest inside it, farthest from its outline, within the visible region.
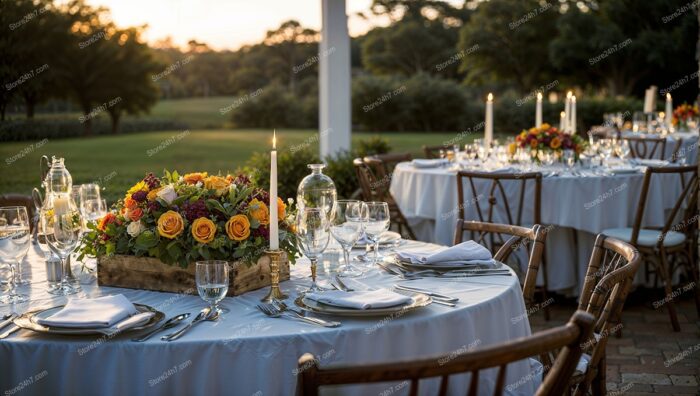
(167, 194)
(135, 228)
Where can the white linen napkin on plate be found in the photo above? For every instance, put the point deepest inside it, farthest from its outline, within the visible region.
(466, 253)
(365, 299)
(95, 312)
(131, 321)
(429, 163)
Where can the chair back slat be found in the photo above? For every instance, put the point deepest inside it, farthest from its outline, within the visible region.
(474, 384)
(444, 385)
(500, 380)
(645, 147)
(567, 339)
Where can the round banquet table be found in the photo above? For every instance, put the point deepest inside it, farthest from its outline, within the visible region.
(247, 353)
(574, 208)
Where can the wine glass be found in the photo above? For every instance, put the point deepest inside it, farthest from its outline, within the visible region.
(606, 150)
(378, 221)
(569, 158)
(211, 277)
(346, 227)
(92, 206)
(62, 226)
(313, 231)
(14, 245)
(622, 149)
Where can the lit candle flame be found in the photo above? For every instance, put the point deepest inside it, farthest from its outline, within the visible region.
(490, 97)
(539, 96)
(569, 94)
(274, 139)
(562, 114)
(668, 96)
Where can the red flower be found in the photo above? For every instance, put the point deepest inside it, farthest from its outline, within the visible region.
(107, 220)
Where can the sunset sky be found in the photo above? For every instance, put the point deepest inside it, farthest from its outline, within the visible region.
(226, 24)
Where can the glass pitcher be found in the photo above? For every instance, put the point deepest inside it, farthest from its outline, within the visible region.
(316, 190)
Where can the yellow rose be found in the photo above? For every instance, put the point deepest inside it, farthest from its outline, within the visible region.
(238, 227)
(545, 126)
(170, 224)
(153, 194)
(259, 211)
(217, 183)
(193, 178)
(203, 230)
(281, 209)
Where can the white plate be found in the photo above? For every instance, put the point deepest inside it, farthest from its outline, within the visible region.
(418, 300)
(440, 267)
(29, 321)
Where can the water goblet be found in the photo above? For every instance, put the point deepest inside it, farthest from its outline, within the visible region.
(212, 281)
(347, 224)
(313, 231)
(378, 222)
(62, 227)
(15, 239)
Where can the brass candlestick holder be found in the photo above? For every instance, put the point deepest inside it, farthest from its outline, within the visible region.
(275, 292)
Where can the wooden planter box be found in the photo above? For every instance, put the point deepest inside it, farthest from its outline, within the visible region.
(148, 273)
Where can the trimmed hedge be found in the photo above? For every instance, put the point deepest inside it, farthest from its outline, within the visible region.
(23, 129)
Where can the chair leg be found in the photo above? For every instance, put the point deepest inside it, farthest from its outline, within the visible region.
(545, 286)
(663, 271)
(598, 386)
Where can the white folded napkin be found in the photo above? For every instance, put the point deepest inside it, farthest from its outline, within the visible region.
(131, 321)
(364, 299)
(466, 253)
(96, 312)
(429, 163)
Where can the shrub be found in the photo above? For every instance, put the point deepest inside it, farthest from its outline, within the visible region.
(276, 107)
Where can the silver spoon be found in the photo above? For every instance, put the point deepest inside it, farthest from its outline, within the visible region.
(201, 316)
(170, 323)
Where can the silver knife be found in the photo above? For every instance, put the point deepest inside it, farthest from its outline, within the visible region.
(342, 285)
(7, 321)
(170, 323)
(200, 317)
(9, 332)
(428, 292)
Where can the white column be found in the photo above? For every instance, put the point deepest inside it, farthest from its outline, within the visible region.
(334, 79)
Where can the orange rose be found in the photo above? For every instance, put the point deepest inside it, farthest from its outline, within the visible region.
(238, 227)
(135, 214)
(203, 230)
(153, 194)
(170, 224)
(281, 209)
(193, 178)
(217, 183)
(105, 221)
(555, 143)
(129, 203)
(259, 211)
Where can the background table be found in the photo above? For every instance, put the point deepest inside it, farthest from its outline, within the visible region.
(247, 353)
(575, 208)
(687, 152)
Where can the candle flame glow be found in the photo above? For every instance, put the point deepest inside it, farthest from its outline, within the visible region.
(569, 94)
(539, 96)
(668, 96)
(274, 139)
(562, 114)
(490, 97)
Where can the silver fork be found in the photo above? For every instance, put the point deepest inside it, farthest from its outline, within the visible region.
(271, 311)
(282, 307)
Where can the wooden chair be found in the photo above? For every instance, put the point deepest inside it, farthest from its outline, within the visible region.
(609, 278)
(387, 161)
(677, 237)
(531, 239)
(645, 147)
(377, 189)
(433, 151)
(20, 200)
(567, 339)
(496, 199)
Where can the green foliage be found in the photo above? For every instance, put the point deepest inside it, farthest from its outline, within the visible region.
(371, 146)
(37, 129)
(274, 107)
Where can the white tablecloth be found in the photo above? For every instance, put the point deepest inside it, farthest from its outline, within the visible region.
(574, 208)
(247, 353)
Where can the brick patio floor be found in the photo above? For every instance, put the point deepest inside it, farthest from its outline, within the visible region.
(650, 358)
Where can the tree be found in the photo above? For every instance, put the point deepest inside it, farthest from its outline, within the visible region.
(513, 39)
(290, 45)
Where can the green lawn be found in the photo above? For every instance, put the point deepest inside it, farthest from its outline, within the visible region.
(117, 162)
(197, 112)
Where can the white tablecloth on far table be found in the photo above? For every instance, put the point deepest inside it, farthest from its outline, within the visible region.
(247, 353)
(588, 205)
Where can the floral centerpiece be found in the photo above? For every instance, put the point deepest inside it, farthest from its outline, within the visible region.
(684, 114)
(181, 219)
(548, 138)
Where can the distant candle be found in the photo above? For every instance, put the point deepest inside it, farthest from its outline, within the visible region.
(488, 127)
(538, 110)
(572, 127)
(274, 232)
(669, 111)
(562, 121)
(567, 111)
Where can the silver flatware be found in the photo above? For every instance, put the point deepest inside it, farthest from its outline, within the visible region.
(7, 320)
(10, 331)
(284, 308)
(205, 314)
(342, 285)
(271, 311)
(428, 292)
(168, 324)
(434, 300)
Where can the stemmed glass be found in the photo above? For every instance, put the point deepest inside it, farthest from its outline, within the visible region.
(212, 282)
(14, 245)
(378, 218)
(62, 227)
(623, 149)
(606, 150)
(346, 228)
(313, 231)
(569, 158)
(92, 206)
